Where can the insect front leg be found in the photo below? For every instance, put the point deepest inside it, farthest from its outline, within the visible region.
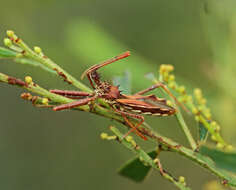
(153, 87)
(71, 94)
(92, 70)
(74, 104)
(161, 85)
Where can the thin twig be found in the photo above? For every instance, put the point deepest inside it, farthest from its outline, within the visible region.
(186, 131)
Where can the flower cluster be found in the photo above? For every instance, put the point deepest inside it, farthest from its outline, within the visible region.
(196, 103)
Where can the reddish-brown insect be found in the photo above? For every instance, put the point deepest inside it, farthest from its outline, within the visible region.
(126, 105)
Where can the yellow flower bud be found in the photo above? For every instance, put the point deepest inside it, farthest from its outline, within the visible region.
(162, 68)
(37, 50)
(104, 136)
(172, 85)
(19, 55)
(197, 118)
(198, 92)
(208, 115)
(7, 42)
(169, 68)
(171, 77)
(195, 110)
(219, 146)
(229, 148)
(45, 101)
(203, 101)
(217, 128)
(10, 33)
(181, 89)
(129, 138)
(28, 79)
(213, 137)
(181, 179)
(169, 103)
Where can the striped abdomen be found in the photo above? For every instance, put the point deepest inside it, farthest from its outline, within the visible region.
(147, 106)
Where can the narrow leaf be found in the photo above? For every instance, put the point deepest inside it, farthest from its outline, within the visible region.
(6, 53)
(135, 170)
(224, 160)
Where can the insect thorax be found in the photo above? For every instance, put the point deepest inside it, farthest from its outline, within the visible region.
(107, 91)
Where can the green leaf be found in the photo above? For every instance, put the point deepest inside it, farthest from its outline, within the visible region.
(124, 82)
(224, 160)
(203, 133)
(135, 170)
(6, 53)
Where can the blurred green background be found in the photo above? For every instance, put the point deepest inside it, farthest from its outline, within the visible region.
(41, 149)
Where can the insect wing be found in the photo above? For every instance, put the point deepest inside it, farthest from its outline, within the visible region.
(147, 106)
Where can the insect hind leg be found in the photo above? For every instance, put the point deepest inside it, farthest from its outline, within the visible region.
(134, 128)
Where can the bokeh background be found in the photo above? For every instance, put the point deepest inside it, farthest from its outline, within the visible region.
(41, 149)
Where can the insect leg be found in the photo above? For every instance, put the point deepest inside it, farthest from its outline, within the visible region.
(71, 94)
(161, 85)
(74, 104)
(134, 128)
(97, 66)
(148, 89)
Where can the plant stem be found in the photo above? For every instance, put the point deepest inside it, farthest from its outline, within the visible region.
(142, 154)
(185, 129)
(53, 66)
(198, 158)
(172, 146)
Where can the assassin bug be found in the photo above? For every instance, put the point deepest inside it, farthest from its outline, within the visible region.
(126, 105)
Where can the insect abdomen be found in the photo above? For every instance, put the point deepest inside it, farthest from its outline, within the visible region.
(151, 111)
